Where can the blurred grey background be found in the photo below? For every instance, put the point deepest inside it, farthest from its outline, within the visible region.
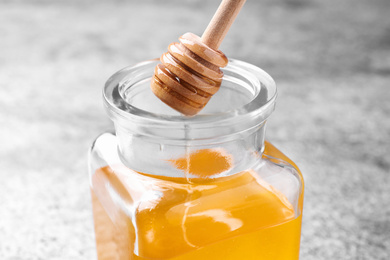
(331, 62)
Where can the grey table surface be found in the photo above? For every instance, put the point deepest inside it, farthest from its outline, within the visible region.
(331, 62)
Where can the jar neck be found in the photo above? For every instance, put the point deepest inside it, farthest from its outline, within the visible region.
(156, 140)
(191, 159)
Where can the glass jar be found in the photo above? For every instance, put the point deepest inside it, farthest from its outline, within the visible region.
(166, 186)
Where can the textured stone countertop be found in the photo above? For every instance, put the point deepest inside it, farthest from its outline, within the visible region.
(331, 62)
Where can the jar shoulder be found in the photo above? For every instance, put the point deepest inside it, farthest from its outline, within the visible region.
(274, 154)
(274, 171)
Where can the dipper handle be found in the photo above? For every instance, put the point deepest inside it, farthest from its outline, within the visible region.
(221, 22)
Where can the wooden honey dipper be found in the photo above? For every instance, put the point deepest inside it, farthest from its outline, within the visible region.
(190, 71)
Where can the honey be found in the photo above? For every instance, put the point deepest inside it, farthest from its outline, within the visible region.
(235, 217)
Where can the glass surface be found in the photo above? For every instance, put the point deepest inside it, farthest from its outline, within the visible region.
(166, 186)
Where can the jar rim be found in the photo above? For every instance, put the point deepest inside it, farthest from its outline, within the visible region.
(257, 110)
